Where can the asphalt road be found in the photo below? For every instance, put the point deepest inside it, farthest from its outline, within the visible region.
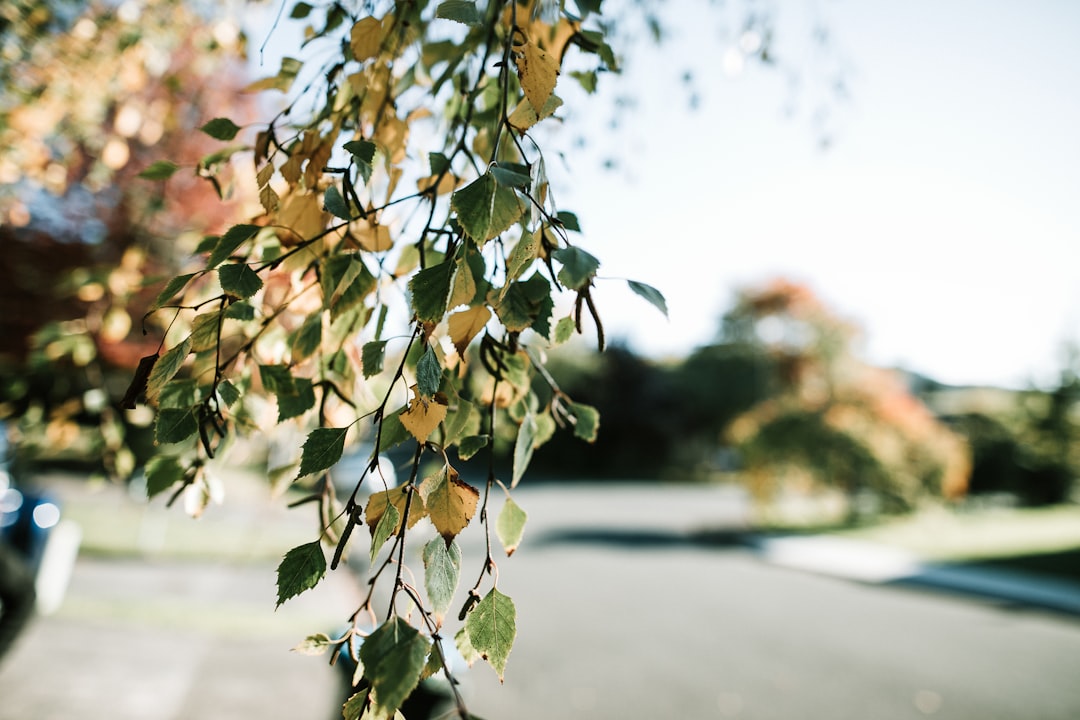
(665, 621)
(630, 605)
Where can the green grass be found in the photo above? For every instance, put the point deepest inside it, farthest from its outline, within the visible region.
(249, 527)
(1045, 540)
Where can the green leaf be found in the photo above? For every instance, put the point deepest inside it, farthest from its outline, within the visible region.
(208, 243)
(228, 392)
(301, 569)
(277, 379)
(211, 161)
(233, 238)
(442, 570)
(171, 288)
(239, 280)
(242, 311)
(296, 403)
(363, 153)
(569, 220)
(525, 304)
(384, 528)
(175, 425)
(161, 170)
(578, 267)
(307, 338)
(586, 421)
(204, 331)
(393, 657)
(523, 255)
(651, 294)
(471, 445)
(165, 368)
(510, 525)
(485, 209)
(464, 646)
(564, 330)
(514, 309)
(511, 178)
(593, 41)
(179, 393)
(393, 432)
(538, 290)
(361, 150)
(587, 80)
(428, 372)
(221, 129)
(316, 644)
(300, 11)
(322, 449)
(461, 416)
(438, 163)
(355, 705)
(335, 204)
(545, 429)
(430, 290)
(162, 472)
(462, 11)
(523, 448)
(492, 628)
(371, 357)
(355, 285)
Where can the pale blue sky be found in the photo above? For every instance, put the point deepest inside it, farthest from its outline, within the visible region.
(945, 217)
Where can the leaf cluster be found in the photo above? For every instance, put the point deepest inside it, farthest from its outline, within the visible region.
(397, 303)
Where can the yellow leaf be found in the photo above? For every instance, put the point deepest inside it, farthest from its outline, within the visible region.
(447, 184)
(397, 497)
(302, 213)
(265, 173)
(423, 416)
(395, 174)
(269, 199)
(524, 116)
(365, 39)
(538, 73)
(317, 160)
(291, 169)
(392, 134)
(450, 502)
(266, 83)
(467, 324)
(373, 238)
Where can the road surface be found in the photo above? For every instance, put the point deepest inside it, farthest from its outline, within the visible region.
(631, 604)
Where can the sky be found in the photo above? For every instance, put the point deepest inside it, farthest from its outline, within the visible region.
(943, 217)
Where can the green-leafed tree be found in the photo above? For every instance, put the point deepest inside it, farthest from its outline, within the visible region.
(830, 419)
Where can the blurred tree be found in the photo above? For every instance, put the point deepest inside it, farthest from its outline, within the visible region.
(93, 93)
(712, 387)
(833, 421)
(639, 410)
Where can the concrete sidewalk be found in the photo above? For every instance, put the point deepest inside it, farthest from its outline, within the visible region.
(145, 640)
(876, 564)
